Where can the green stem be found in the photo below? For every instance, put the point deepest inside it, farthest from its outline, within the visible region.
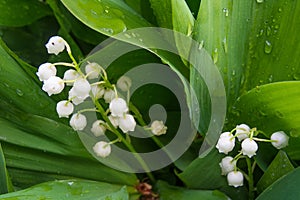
(125, 142)
(250, 179)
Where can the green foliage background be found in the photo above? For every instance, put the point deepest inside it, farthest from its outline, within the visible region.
(254, 44)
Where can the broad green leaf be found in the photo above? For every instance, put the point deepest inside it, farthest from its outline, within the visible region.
(19, 89)
(5, 182)
(204, 173)
(280, 166)
(107, 17)
(20, 13)
(222, 29)
(287, 187)
(273, 45)
(18, 157)
(70, 189)
(168, 192)
(272, 107)
(163, 12)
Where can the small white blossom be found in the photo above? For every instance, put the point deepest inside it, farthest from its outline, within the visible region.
(109, 95)
(127, 123)
(227, 165)
(118, 107)
(114, 120)
(78, 122)
(93, 70)
(53, 85)
(70, 75)
(102, 149)
(97, 91)
(98, 128)
(124, 83)
(242, 131)
(75, 98)
(64, 108)
(249, 147)
(281, 139)
(55, 45)
(158, 128)
(45, 71)
(225, 143)
(81, 87)
(235, 178)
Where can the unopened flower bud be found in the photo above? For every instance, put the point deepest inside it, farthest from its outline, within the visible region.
(70, 75)
(109, 95)
(53, 85)
(118, 107)
(55, 45)
(98, 128)
(45, 71)
(82, 87)
(127, 123)
(93, 70)
(102, 149)
(64, 108)
(97, 91)
(249, 147)
(235, 178)
(158, 128)
(227, 165)
(281, 140)
(242, 131)
(124, 83)
(225, 143)
(78, 122)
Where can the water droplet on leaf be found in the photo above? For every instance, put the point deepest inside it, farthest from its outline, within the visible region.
(215, 55)
(268, 47)
(19, 92)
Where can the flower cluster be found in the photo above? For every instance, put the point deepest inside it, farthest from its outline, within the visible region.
(248, 139)
(91, 84)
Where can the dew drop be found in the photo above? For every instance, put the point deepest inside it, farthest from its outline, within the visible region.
(279, 9)
(269, 31)
(259, 1)
(226, 11)
(19, 92)
(296, 76)
(268, 47)
(215, 55)
(225, 45)
(270, 78)
(127, 35)
(190, 30)
(201, 44)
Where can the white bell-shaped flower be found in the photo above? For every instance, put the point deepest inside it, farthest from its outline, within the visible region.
(225, 143)
(118, 107)
(97, 91)
(127, 123)
(45, 71)
(158, 128)
(124, 83)
(82, 87)
(75, 98)
(109, 95)
(93, 70)
(64, 108)
(114, 120)
(53, 85)
(55, 45)
(249, 147)
(70, 75)
(98, 128)
(78, 122)
(227, 165)
(102, 149)
(235, 178)
(281, 140)
(242, 131)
